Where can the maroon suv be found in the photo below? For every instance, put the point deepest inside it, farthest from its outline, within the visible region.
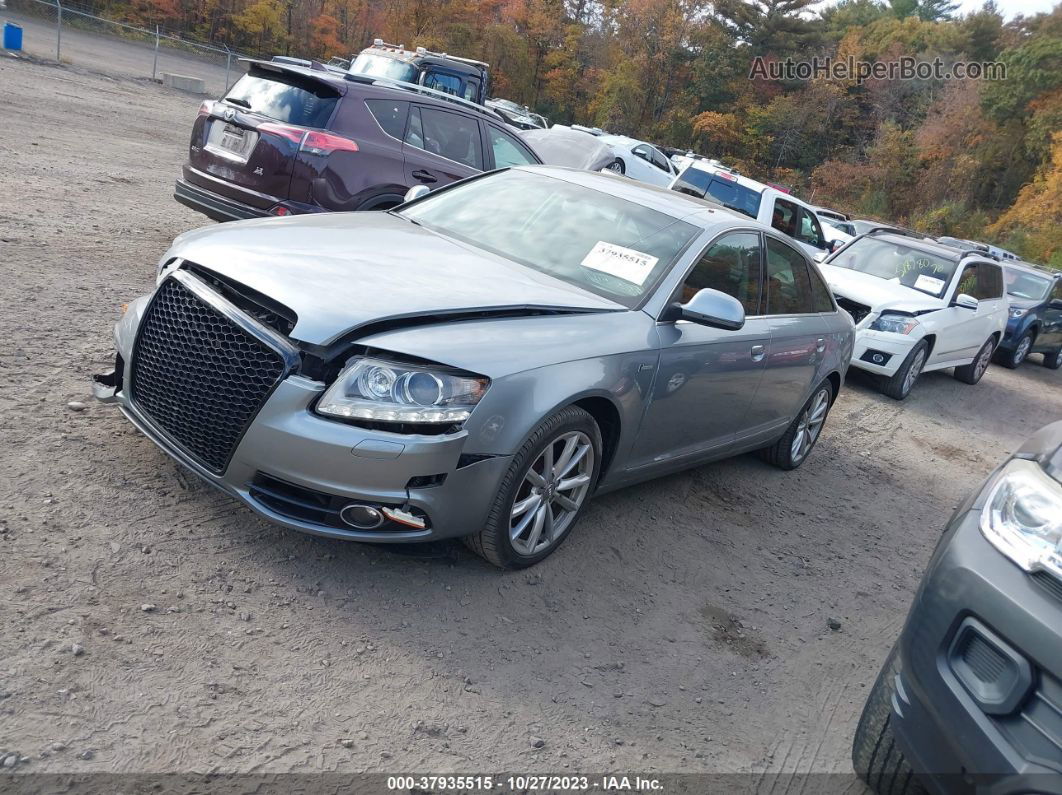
(290, 139)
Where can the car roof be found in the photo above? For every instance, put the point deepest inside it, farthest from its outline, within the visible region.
(702, 212)
(929, 246)
(1032, 267)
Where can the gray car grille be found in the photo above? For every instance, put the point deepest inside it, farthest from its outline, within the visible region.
(198, 376)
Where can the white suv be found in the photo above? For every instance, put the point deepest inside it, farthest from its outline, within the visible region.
(918, 305)
(708, 179)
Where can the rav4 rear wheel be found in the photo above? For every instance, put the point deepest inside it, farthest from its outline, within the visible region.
(1053, 360)
(544, 491)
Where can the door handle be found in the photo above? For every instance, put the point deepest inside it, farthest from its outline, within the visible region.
(424, 176)
(758, 353)
(820, 344)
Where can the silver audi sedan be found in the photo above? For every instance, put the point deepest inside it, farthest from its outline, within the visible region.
(479, 361)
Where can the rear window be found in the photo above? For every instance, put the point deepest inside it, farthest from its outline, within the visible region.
(286, 98)
(727, 192)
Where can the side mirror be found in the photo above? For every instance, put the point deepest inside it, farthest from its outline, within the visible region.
(1055, 303)
(965, 301)
(713, 308)
(416, 192)
(833, 245)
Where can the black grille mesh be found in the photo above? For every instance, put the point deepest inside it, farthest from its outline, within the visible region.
(198, 376)
(983, 658)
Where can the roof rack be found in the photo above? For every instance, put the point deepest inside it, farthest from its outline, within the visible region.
(896, 230)
(431, 92)
(425, 51)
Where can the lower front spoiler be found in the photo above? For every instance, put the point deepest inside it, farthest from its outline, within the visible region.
(456, 508)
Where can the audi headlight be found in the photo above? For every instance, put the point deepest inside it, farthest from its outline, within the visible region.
(383, 391)
(896, 324)
(1023, 517)
(1015, 312)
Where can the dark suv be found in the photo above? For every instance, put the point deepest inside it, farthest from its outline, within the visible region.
(1035, 321)
(461, 77)
(970, 698)
(290, 139)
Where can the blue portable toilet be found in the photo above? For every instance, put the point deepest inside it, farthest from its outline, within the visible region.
(12, 36)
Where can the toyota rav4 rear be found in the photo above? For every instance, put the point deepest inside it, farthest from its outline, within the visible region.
(289, 139)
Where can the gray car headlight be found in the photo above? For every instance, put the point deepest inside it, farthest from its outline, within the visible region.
(1016, 313)
(1023, 517)
(384, 391)
(896, 324)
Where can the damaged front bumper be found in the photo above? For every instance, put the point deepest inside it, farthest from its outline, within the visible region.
(299, 470)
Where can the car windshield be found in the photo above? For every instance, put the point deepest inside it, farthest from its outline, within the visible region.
(612, 247)
(375, 65)
(727, 192)
(895, 262)
(1022, 284)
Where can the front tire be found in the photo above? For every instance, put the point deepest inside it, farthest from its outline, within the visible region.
(971, 373)
(617, 166)
(899, 385)
(875, 757)
(1012, 359)
(543, 493)
(796, 443)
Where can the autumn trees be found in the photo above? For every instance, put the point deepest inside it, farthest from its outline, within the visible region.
(955, 156)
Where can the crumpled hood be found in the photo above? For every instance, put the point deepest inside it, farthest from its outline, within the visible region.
(339, 271)
(877, 293)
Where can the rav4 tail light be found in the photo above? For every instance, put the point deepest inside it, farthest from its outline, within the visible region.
(206, 108)
(313, 142)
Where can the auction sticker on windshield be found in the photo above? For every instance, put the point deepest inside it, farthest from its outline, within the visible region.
(623, 263)
(928, 284)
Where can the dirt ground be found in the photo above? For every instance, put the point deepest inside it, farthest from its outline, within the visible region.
(148, 623)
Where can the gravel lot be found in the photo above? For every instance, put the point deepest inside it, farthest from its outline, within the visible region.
(152, 624)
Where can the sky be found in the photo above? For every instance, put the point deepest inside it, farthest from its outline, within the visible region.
(1010, 8)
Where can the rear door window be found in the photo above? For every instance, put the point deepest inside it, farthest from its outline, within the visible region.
(448, 135)
(821, 299)
(507, 150)
(390, 115)
(286, 98)
(788, 280)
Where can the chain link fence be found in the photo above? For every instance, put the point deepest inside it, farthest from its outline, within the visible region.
(70, 34)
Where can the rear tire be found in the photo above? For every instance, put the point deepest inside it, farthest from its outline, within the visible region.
(875, 757)
(508, 541)
(971, 373)
(1053, 360)
(899, 385)
(1012, 359)
(799, 439)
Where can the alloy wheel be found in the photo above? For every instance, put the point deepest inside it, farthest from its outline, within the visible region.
(1023, 350)
(983, 358)
(914, 370)
(809, 425)
(551, 493)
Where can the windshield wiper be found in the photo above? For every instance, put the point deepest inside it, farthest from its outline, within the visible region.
(236, 101)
